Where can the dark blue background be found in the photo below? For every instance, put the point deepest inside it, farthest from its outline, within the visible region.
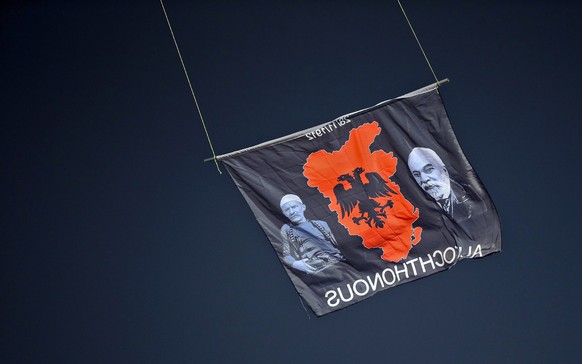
(118, 244)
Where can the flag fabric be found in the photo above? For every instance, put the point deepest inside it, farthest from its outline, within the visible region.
(371, 200)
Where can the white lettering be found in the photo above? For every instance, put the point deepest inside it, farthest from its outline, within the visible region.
(333, 297)
(477, 251)
(441, 254)
(327, 128)
(377, 278)
(343, 121)
(411, 262)
(365, 285)
(390, 276)
(422, 263)
(384, 276)
(405, 271)
(339, 290)
(452, 250)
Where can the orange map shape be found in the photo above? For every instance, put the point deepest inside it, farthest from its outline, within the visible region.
(322, 170)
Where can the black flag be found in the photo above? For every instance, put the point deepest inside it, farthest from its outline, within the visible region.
(368, 201)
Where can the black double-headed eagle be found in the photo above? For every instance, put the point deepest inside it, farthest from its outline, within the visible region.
(362, 195)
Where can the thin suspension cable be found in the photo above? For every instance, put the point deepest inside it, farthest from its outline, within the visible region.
(419, 45)
(191, 89)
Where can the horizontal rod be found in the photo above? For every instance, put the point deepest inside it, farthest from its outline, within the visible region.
(300, 133)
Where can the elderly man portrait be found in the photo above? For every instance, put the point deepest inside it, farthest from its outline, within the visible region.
(432, 176)
(308, 245)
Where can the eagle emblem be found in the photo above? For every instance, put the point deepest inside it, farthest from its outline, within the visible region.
(362, 195)
(357, 182)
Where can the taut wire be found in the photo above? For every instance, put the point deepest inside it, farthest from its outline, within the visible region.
(419, 45)
(191, 89)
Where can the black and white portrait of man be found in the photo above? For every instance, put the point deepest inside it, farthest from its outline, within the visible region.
(308, 245)
(433, 177)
